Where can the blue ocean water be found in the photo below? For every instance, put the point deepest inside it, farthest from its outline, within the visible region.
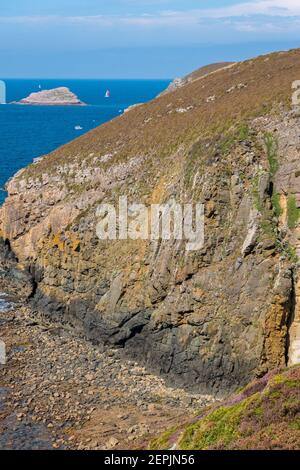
(27, 132)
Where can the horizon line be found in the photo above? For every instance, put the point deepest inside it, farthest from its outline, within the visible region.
(86, 78)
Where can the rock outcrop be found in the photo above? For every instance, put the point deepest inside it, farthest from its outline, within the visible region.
(61, 96)
(197, 74)
(211, 319)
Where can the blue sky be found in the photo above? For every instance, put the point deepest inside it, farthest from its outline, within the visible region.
(138, 38)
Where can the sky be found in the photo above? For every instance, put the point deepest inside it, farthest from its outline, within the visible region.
(138, 38)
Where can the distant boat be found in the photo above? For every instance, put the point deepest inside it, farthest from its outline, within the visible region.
(40, 87)
(78, 128)
(107, 94)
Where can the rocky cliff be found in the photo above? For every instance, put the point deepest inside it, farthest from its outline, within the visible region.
(210, 319)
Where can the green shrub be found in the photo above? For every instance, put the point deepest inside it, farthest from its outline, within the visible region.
(276, 205)
(293, 211)
(163, 441)
(243, 131)
(221, 427)
(272, 150)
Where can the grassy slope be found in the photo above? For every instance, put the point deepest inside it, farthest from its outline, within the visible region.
(264, 415)
(206, 70)
(156, 130)
(199, 73)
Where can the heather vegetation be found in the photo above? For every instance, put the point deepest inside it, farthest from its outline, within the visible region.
(264, 415)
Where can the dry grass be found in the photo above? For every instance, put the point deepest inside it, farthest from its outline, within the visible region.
(268, 82)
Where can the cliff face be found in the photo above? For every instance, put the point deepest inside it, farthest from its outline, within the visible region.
(213, 318)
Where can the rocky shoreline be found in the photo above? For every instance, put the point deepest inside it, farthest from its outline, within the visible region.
(58, 391)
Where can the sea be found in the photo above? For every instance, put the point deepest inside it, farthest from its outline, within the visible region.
(28, 132)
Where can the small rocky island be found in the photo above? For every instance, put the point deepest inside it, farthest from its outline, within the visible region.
(61, 96)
